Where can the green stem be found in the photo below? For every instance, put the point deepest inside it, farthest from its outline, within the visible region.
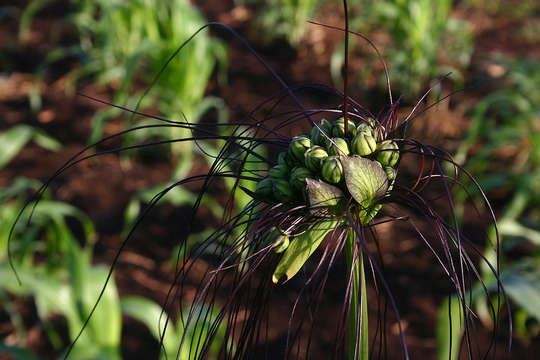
(358, 322)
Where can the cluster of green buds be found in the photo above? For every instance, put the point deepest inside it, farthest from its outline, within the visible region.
(330, 168)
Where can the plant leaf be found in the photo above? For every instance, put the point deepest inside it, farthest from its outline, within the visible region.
(365, 179)
(13, 352)
(150, 313)
(46, 141)
(12, 141)
(524, 290)
(449, 329)
(300, 249)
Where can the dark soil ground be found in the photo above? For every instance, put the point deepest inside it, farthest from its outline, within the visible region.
(103, 187)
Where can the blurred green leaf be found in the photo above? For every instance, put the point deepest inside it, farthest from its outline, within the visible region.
(15, 138)
(57, 292)
(300, 249)
(449, 329)
(153, 316)
(46, 141)
(524, 290)
(286, 18)
(16, 353)
(12, 141)
(193, 327)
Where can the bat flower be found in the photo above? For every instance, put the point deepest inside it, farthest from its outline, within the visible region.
(355, 180)
(291, 222)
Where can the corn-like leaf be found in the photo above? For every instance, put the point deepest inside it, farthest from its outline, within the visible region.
(449, 325)
(150, 313)
(12, 141)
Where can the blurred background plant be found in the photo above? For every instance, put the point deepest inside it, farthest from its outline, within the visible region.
(125, 44)
(502, 149)
(203, 316)
(283, 18)
(131, 41)
(424, 42)
(57, 272)
(15, 138)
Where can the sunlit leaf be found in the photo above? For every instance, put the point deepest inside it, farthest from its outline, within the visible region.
(300, 249)
(322, 194)
(449, 329)
(365, 179)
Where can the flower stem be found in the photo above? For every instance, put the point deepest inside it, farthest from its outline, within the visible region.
(358, 320)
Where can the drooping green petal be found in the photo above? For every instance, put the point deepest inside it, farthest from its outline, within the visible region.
(300, 249)
(366, 180)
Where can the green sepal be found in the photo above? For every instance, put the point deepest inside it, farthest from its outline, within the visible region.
(298, 146)
(365, 180)
(282, 159)
(282, 190)
(391, 173)
(300, 249)
(364, 143)
(318, 133)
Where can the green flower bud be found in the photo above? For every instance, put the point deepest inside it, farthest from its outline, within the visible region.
(289, 159)
(341, 144)
(338, 129)
(264, 190)
(364, 143)
(371, 122)
(317, 133)
(299, 146)
(388, 153)
(279, 172)
(390, 173)
(332, 170)
(282, 158)
(314, 158)
(326, 126)
(371, 126)
(363, 127)
(298, 177)
(282, 190)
